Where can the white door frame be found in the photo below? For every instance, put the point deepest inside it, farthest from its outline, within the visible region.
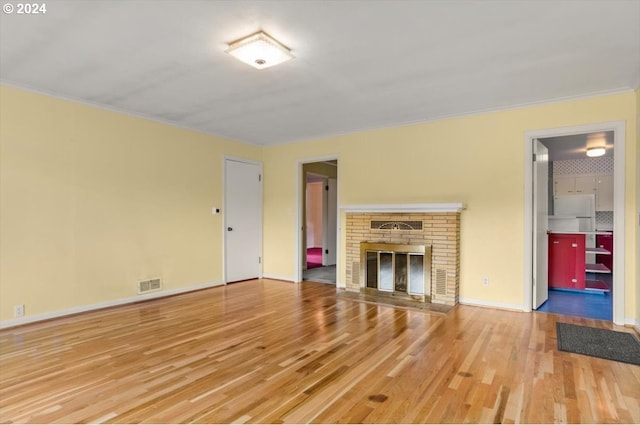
(300, 198)
(330, 220)
(224, 213)
(619, 137)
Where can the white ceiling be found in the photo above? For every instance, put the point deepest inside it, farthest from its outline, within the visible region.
(359, 64)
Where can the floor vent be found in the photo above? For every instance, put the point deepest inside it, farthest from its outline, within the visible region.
(150, 285)
(441, 282)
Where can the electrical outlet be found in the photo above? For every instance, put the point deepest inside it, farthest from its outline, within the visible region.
(18, 310)
(485, 281)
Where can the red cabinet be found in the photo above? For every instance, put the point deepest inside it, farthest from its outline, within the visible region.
(605, 242)
(566, 261)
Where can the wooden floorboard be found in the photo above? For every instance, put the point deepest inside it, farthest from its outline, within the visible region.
(274, 352)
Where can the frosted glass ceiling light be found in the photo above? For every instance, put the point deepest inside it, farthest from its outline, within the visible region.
(593, 152)
(260, 51)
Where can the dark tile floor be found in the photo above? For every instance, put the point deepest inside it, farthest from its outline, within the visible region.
(592, 305)
(326, 274)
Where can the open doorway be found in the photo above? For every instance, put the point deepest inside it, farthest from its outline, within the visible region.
(584, 263)
(579, 188)
(319, 216)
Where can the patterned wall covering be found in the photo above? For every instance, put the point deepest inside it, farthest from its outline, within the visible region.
(601, 165)
(604, 220)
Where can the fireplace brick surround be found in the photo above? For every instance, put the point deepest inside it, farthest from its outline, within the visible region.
(441, 230)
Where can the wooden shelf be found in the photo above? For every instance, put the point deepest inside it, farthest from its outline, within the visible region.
(600, 251)
(596, 286)
(596, 268)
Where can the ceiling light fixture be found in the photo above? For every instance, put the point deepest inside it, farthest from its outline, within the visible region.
(259, 50)
(594, 152)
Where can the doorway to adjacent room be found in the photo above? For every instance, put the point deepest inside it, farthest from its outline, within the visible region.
(319, 215)
(596, 290)
(580, 200)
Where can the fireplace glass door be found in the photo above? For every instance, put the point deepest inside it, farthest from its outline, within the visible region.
(396, 269)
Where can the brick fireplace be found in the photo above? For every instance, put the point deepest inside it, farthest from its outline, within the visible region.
(433, 226)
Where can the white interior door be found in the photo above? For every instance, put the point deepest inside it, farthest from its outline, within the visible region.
(329, 241)
(540, 224)
(242, 220)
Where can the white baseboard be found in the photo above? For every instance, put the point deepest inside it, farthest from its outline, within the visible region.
(491, 304)
(341, 285)
(85, 308)
(630, 321)
(278, 277)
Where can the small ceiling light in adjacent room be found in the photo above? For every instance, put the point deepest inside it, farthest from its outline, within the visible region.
(594, 152)
(260, 51)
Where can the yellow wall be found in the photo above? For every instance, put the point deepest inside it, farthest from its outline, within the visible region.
(477, 160)
(91, 201)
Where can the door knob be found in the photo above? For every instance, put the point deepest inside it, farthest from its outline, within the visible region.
(229, 228)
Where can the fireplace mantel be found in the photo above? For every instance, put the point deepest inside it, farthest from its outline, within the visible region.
(404, 208)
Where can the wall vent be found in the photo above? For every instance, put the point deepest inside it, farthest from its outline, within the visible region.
(150, 285)
(441, 282)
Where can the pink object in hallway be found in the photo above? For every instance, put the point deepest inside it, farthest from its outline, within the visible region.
(314, 258)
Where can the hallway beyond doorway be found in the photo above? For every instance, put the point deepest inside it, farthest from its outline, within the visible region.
(326, 274)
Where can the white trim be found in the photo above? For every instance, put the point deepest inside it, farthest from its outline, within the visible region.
(527, 278)
(297, 258)
(491, 304)
(245, 160)
(403, 208)
(224, 212)
(619, 185)
(98, 306)
(618, 127)
(279, 277)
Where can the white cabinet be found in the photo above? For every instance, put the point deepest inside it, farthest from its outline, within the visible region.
(604, 192)
(574, 185)
(564, 185)
(585, 185)
(600, 185)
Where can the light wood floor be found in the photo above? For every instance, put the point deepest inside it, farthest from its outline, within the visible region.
(269, 351)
